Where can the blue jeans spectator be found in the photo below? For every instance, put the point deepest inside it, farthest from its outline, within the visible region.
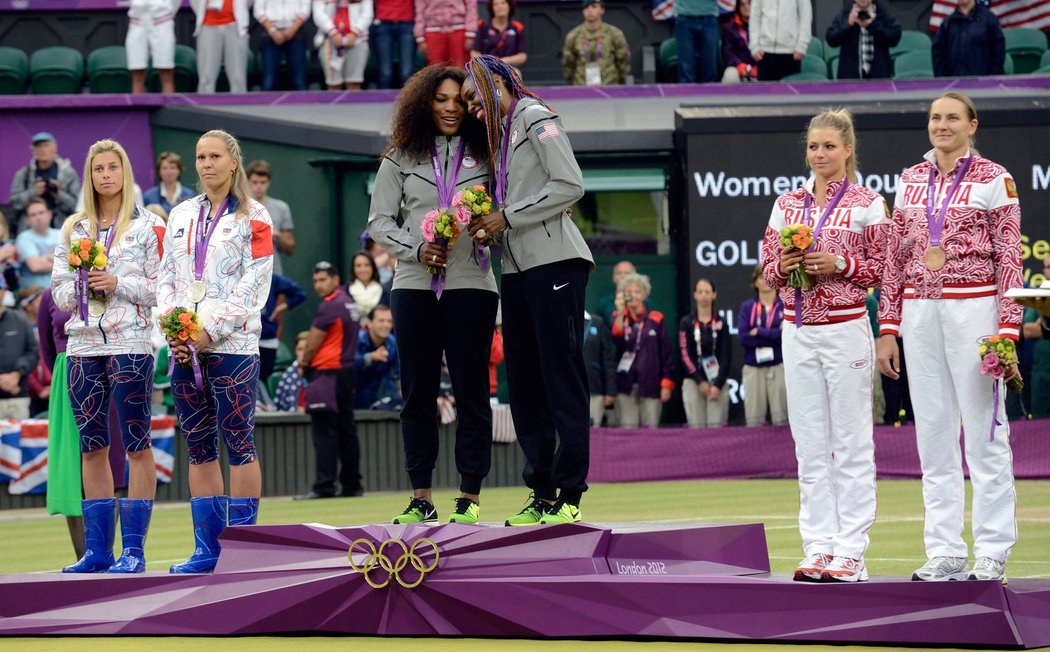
(697, 39)
(294, 50)
(386, 35)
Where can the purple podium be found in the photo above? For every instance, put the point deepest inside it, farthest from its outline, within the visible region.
(568, 581)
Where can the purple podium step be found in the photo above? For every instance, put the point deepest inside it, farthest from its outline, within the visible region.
(583, 580)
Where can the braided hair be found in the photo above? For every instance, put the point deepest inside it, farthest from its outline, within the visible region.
(481, 69)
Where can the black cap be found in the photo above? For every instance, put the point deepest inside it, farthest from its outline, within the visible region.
(588, 3)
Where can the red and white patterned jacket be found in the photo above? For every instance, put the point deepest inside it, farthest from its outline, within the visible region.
(856, 230)
(981, 239)
(445, 16)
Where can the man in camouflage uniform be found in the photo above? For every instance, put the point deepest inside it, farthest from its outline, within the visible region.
(595, 53)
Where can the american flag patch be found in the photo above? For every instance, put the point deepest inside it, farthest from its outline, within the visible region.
(547, 131)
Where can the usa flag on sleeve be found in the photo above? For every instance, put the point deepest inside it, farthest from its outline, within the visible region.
(1034, 14)
(547, 131)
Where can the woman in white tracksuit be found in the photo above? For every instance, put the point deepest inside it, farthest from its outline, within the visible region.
(953, 253)
(828, 348)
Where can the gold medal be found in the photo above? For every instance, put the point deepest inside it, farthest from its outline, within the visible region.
(96, 307)
(197, 291)
(934, 258)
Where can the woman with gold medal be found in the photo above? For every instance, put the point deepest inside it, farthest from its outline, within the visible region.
(109, 352)
(953, 253)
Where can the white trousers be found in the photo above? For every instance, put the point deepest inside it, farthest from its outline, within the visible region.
(827, 369)
(764, 386)
(223, 46)
(944, 377)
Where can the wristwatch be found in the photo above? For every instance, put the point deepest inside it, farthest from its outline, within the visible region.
(840, 264)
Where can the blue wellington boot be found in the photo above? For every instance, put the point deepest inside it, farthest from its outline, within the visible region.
(134, 523)
(100, 527)
(209, 520)
(243, 511)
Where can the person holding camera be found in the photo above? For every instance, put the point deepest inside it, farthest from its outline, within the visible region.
(49, 177)
(865, 33)
(645, 372)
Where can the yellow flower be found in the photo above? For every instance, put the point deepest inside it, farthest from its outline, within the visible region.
(100, 261)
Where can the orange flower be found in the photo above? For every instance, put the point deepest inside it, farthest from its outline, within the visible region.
(184, 318)
(479, 188)
(993, 339)
(797, 240)
(183, 334)
(803, 229)
(74, 259)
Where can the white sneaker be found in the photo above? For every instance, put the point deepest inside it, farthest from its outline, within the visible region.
(810, 568)
(986, 568)
(941, 569)
(845, 569)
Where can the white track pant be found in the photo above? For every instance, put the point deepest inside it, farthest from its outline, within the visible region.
(940, 344)
(827, 369)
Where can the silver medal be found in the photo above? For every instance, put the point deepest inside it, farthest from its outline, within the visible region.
(197, 291)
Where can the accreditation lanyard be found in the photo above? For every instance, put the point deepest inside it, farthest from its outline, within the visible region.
(936, 223)
(757, 311)
(446, 189)
(200, 250)
(698, 327)
(585, 45)
(816, 234)
(640, 325)
(110, 233)
(504, 150)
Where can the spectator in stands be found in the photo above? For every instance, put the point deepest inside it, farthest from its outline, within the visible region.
(760, 323)
(63, 439)
(779, 35)
(8, 254)
(260, 174)
(445, 29)
(645, 373)
(40, 378)
(169, 193)
(435, 148)
(595, 52)
(1036, 330)
(289, 396)
(865, 33)
(328, 366)
(377, 364)
(969, 43)
(703, 343)
(736, 53)
(384, 262)
(607, 302)
(151, 39)
(393, 28)
(696, 34)
(495, 358)
(285, 294)
(599, 354)
(501, 35)
(49, 177)
(36, 245)
(222, 40)
(285, 38)
(343, 25)
(18, 357)
(366, 289)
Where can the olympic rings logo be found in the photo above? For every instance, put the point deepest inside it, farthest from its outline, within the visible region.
(378, 558)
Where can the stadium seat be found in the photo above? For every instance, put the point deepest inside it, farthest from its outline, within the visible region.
(1008, 64)
(667, 62)
(806, 76)
(917, 64)
(1045, 60)
(14, 71)
(222, 84)
(56, 69)
(185, 72)
(911, 41)
(1026, 46)
(831, 55)
(815, 65)
(816, 47)
(284, 358)
(107, 70)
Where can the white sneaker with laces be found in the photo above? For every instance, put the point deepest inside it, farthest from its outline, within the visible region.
(941, 569)
(810, 568)
(845, 569)
(986, 568)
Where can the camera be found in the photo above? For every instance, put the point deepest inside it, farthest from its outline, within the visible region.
(863, 15)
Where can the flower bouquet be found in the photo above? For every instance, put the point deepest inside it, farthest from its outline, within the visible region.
(997, 355)
(184, 325)
(473, 203)
(440, 226)
(86, 255)
(798, 236)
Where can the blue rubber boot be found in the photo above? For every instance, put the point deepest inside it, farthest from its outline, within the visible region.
(100, 527)
(209, 520)
(134, 523)
(243, 511)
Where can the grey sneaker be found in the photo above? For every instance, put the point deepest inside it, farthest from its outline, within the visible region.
(986, 568)
(940, 569)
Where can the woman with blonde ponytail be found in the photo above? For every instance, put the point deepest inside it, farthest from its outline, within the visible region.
(110, 355)
(218, 262)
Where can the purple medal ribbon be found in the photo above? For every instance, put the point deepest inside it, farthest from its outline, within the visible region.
(936, 224)
(200, 251)
(501, 178)
(995, 412)
(82, 289)
(446, 190)
(816, 233)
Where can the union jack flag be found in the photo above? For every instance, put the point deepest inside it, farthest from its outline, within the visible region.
(1034, 14)
(548, 130)
(10, 451)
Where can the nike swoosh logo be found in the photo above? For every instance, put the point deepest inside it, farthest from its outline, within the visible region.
(558, 287)
(429, 515)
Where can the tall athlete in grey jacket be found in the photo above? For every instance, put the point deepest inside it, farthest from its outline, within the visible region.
(546, 263)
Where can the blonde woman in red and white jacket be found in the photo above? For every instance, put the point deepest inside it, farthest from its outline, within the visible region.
(343, 27)
(109, 353)
(151, 39)
(445, 30)
(828, 348)
(953, 253)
